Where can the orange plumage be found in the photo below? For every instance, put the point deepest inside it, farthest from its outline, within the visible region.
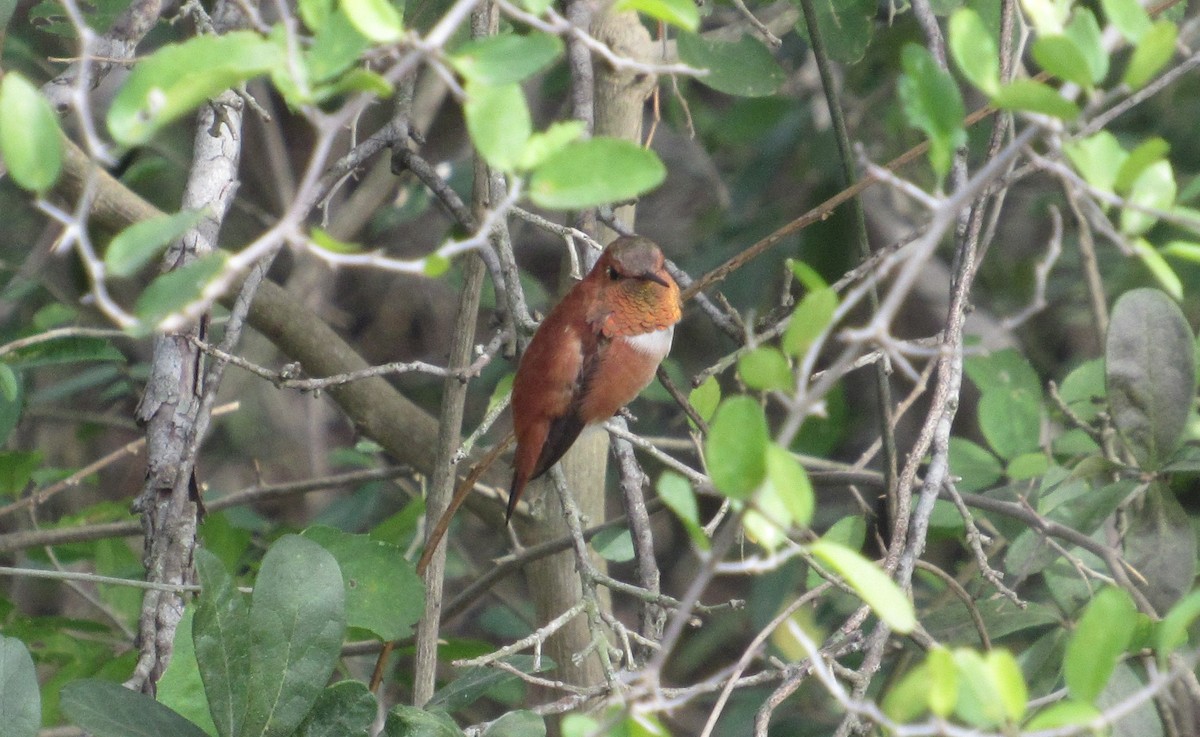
(595, 351)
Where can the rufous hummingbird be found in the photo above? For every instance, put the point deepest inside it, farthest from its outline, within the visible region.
(595, 351)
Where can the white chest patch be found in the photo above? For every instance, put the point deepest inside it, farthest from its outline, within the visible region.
(656, 345)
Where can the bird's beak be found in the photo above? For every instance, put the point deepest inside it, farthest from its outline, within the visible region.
(651, 276)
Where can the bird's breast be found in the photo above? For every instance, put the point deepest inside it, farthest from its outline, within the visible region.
(626, 366)
(655, 344)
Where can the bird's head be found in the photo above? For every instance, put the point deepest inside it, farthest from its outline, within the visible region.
(635, 285)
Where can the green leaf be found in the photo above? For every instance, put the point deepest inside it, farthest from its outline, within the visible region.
(1063, 714)
(297, 621)
(1047, 16)
(975, 466)
(498, 121)
(1150, 374)
(790, 482)
(436, 265)
(1027, 466)
(177, 289)
(64, 350)
(869, 581)
(180, 687)
(356, 80)
(932, 104)
(1060, 56)
(806, 275)
(315, 13)
(1160, 545)
(1011, 421)
(30, 139)
(974, 50)
(409, 721)
(1129, 17)
(1172, 631)
(767, 522)
(1034, 97)
(1083, 389)
(474, 683)
(378, 20)
(1010, 684)
(942, 685)
(743, 67)
(107, 709)
(1186, 250)
(846, 27)
(1148, 152)
(810, 319)
(705, 398)
(1084, 31)
(16, 469)
(536, 7)
(345, 709)
(765, 369)
(326, 242)
(384, 594)
(736, 448)
(978, 700)
(1154, 189)
(222, 644)
(1098, 158)
(614, 544)
(679, 13)
(519, 723)
(132, 248)
(177, 78)
(1004, 370)
(909, 698)
(505, 58)
(10, 385)
(20, 701)
(677, 494)
(1100, 638)
(1162, 271)
(541, 146)
(595, 172)
(336, 45)
(1154, 49)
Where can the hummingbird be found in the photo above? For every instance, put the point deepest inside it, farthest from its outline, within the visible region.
(595, 351)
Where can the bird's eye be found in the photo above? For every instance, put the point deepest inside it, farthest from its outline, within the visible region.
(612, 274)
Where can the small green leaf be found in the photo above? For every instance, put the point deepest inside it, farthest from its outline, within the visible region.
(809, 277)
(20, 701)
(1128, 16)
(336, 45)
(1187, 250)
(541, 146)
(1063, 714)
(790, 481)
(1150, 374)
(176, 289)
(383, 592)
(810, 319)
(58, 351)
(1059, 56)
(1048, 16)
(326, 242)
(978, 701)
(107, 709)
(677, 494)
(315, 13)
(974, 50)
(177, 78)
(1098, 158)
(943, 681)
(909, 697)
(976, 467)
(736, 448)
(932, 103)
(1162, 271)
(409, 721)
(743, 67)
(1027, 466)
(765, 369)
(181, 688)
(16, 469)
(474, 683)
(1084, 31)
(1034, 97)
(614, 544)
(10, 385)
(132, 248)
(436, 265)
(378, 20)
(1154, 49)
(356, 80)
(222, 644)
(1153, 189)
(1010, 684)
(1011, 421)
(519, 723)
(1161, 546)
(505, 58)
(498, 121)
(30, 139)
(846, 27)
(869, 581)
(705, 398)
(536, 7)
(1099, 640)
(679, 13)
(1148, 152)
(1172, 631)
(595, 172)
